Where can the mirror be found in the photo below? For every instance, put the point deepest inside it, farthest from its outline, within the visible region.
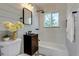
(27, 16)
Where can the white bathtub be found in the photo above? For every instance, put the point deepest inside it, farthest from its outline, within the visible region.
(52, 49)
(10, 47)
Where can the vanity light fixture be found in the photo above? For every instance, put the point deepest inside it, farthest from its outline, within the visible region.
(27, 5)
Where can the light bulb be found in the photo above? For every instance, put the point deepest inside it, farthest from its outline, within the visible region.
(27, 5)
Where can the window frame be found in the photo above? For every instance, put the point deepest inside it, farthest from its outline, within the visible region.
(51, 18)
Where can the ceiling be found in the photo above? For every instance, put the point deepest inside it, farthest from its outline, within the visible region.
(43, 5)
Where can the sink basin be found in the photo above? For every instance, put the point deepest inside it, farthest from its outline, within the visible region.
(32, 34)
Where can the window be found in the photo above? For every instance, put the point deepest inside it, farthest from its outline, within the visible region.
(51, 19)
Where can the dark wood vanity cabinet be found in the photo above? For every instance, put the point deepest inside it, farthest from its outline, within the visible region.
(30, 43)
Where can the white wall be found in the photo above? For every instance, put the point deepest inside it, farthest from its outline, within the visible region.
(54, 35)
(12, 12)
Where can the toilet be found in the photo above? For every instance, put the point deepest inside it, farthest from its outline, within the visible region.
(10, 47)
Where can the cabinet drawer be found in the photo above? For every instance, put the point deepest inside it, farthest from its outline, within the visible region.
(34, 37)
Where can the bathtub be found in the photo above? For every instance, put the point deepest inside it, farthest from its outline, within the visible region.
(52, 49)
(10, 47)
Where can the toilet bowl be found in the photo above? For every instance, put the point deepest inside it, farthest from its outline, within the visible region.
(10, 47)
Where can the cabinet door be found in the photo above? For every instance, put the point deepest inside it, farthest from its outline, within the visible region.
(34, 44)
(27, 44)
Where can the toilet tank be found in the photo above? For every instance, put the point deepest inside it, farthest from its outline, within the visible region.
(10, 48)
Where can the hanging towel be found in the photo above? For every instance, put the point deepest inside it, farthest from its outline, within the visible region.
(70, 27)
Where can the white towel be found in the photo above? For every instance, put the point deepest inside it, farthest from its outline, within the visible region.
(70, 27)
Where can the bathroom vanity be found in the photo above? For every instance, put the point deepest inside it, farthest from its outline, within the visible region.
(30, 43)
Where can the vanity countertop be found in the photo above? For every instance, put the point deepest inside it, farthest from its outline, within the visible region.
(32, 34)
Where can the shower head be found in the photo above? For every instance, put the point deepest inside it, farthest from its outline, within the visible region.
(41, 11)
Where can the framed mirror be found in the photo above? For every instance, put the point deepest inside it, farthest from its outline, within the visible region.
(27, 16)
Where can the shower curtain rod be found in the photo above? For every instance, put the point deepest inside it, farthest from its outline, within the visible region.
(74, 12)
